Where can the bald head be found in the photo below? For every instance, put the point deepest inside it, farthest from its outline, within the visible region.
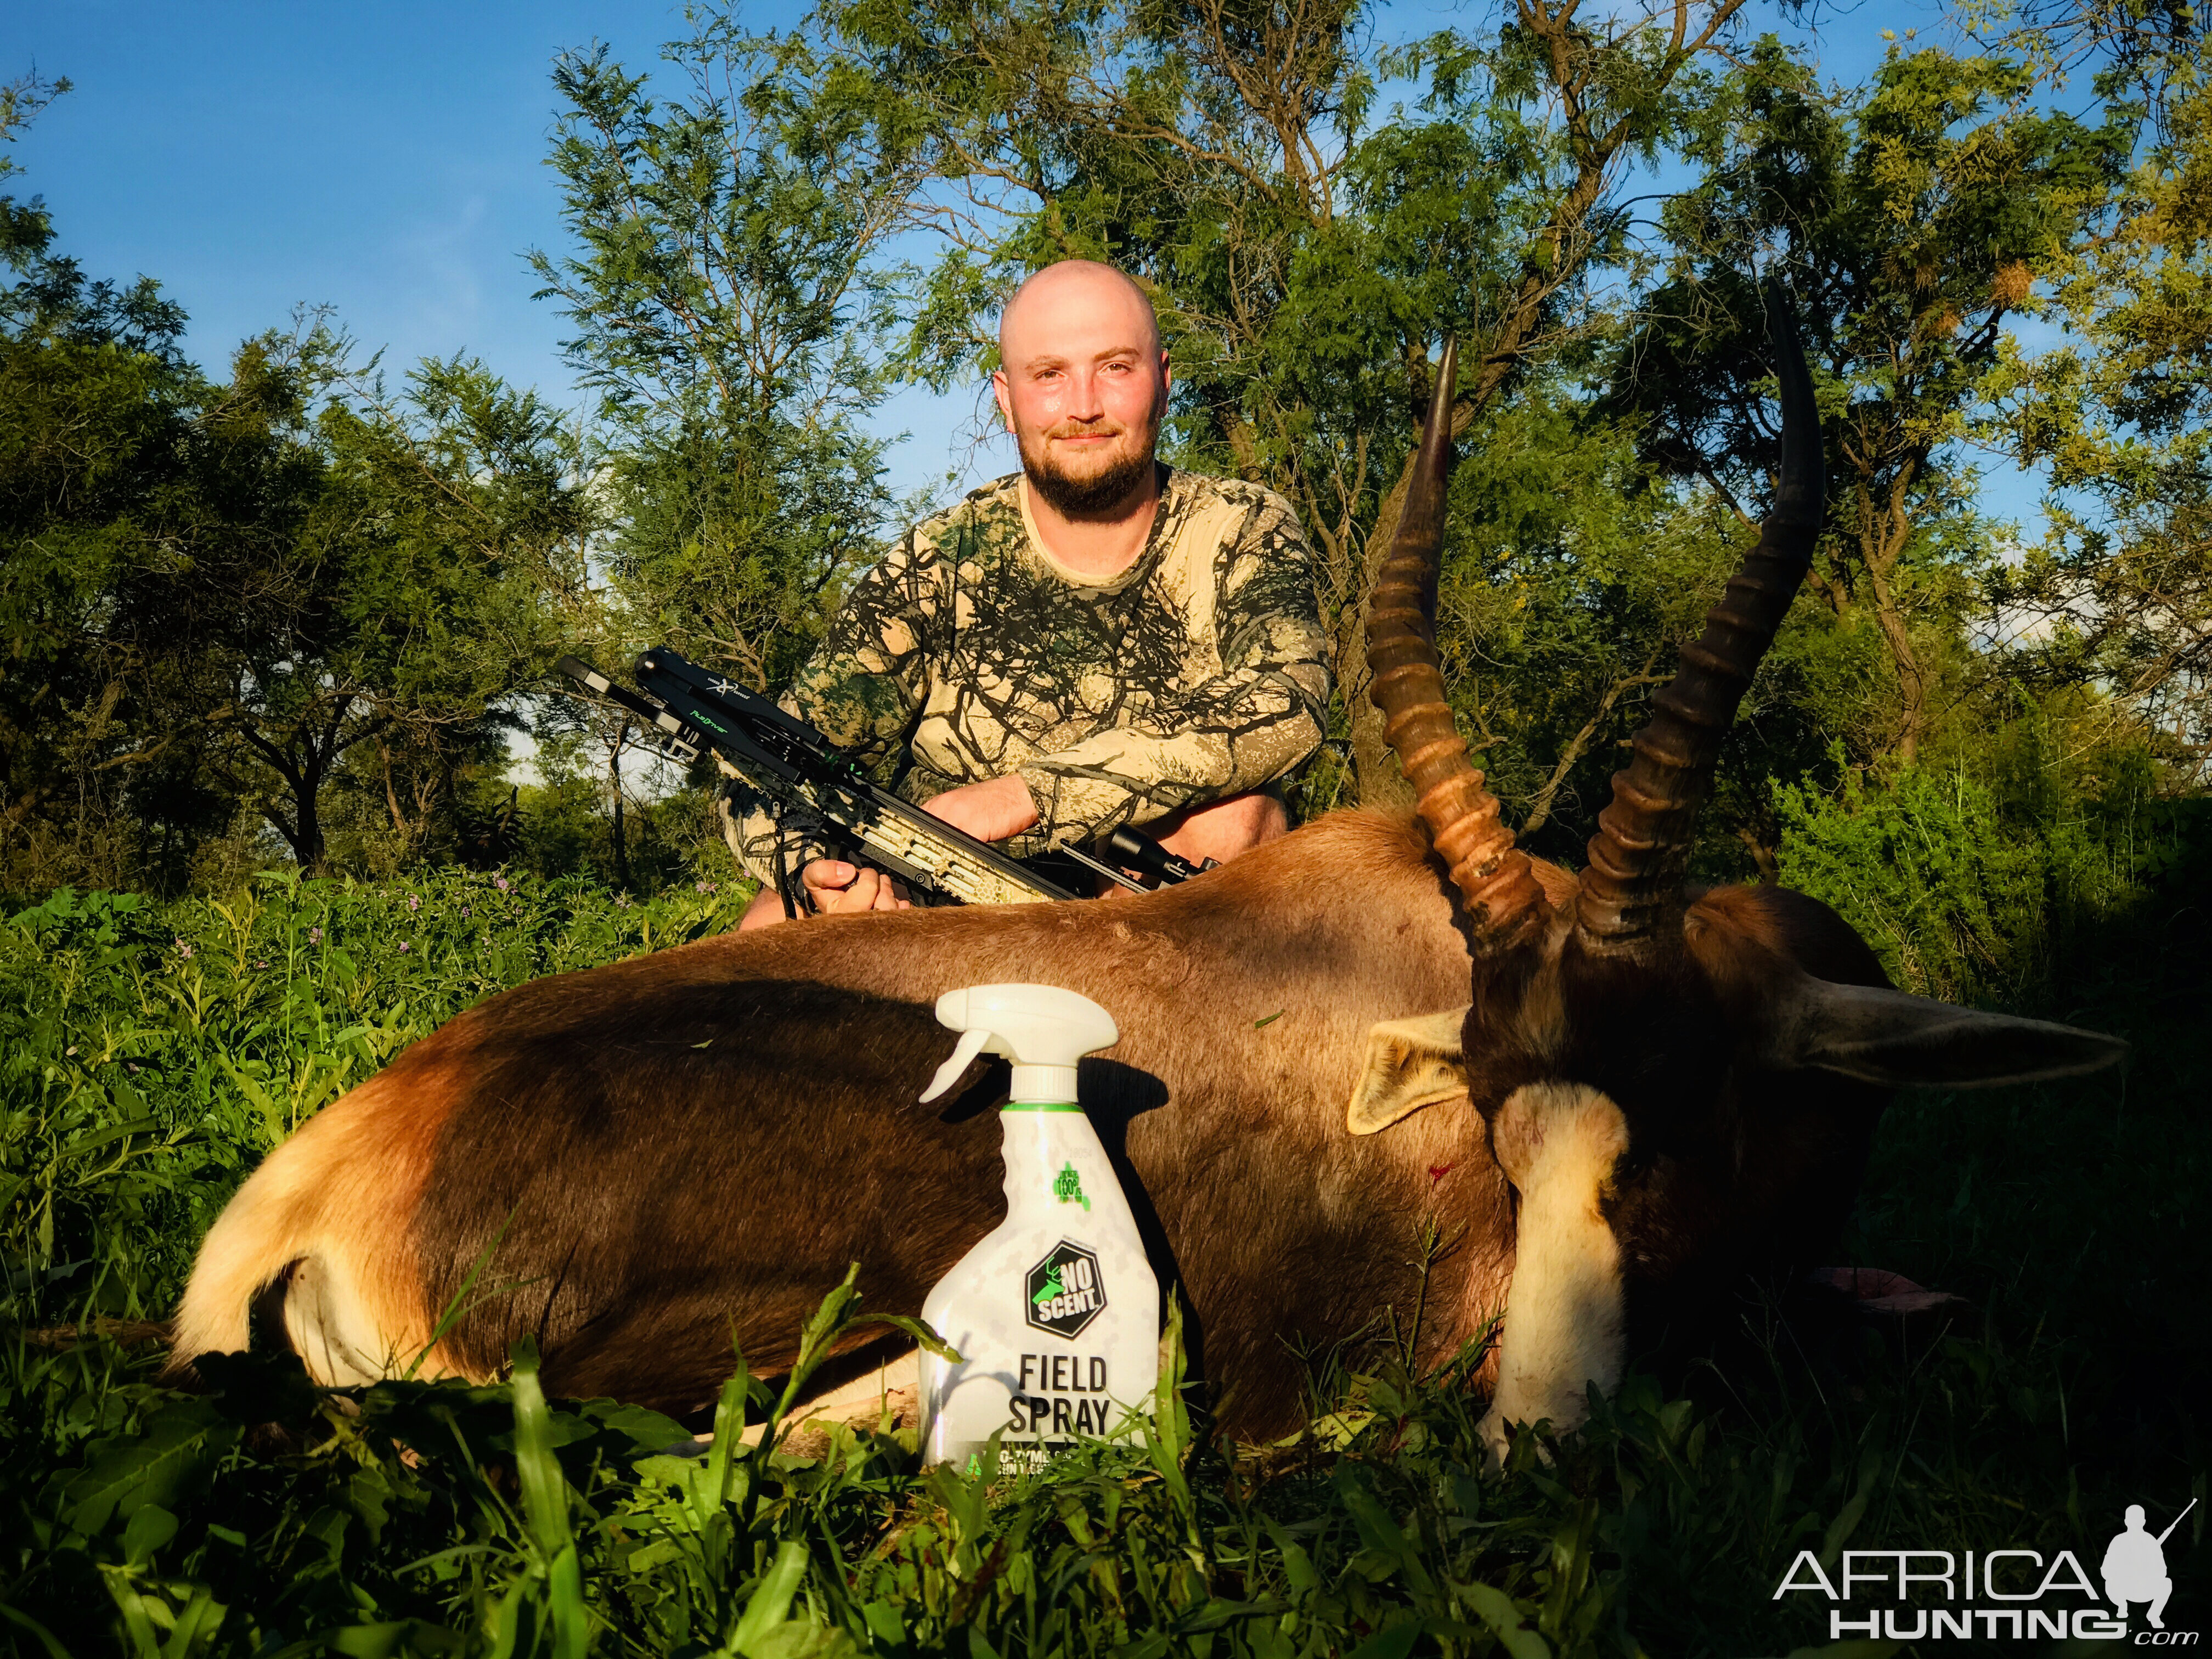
(1081, 293)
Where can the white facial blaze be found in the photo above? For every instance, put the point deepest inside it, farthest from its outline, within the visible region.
(1564, 1313)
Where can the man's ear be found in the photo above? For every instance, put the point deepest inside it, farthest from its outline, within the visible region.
(1889, 1038)
(1411, 1063)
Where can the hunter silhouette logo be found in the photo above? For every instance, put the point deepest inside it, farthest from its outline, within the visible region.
(2135, 1566)
(1065, 1293)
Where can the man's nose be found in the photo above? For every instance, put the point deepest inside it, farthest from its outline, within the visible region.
(1086, 395)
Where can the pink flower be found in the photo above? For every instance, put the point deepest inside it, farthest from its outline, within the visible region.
(499, 882)
(414, 901)
(314, 936)
(184, 950)
(405, 947)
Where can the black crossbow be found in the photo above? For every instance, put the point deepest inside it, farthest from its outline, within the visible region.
(690, 712)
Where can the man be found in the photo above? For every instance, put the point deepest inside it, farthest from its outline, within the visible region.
(2134, 1568)
(1094, 641)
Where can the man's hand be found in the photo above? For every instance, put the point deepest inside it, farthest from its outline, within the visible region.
(834, 888)
(990, 811)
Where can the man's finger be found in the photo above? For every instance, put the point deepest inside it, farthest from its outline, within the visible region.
(824, 875)
(860, 895)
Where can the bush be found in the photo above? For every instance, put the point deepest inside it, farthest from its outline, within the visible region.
(1922, 864)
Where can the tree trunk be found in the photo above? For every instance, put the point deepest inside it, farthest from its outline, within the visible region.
(614, 782)
(1912, 685)
(309, 850)
(391, 799)
(1885, 527)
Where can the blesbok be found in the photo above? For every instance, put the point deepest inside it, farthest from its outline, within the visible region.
(1617, 1095)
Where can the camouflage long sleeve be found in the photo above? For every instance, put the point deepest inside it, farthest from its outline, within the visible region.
(968, 653)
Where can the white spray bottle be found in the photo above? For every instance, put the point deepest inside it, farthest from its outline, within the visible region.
(1056, 1315)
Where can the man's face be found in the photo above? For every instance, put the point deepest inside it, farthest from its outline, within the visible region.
(1084, 387)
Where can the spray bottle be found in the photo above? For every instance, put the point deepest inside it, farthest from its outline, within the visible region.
(1056, 1315)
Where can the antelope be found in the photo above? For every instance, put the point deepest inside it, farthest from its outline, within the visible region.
(1617, 1095)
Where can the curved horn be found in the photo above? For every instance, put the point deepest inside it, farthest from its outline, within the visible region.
(1637, 858)
(1503, 902)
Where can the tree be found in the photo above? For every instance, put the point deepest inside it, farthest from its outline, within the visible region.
(438, 568)
(728, 309)
(134, 500)
(1569, 582)
(1912, 221)
(2120, 592)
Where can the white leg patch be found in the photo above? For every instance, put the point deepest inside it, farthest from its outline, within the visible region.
(1565, 1311)
(896, 1386)
(329, 1329)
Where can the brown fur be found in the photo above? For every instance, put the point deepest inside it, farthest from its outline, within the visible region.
(340, 1189)
(685, 1151)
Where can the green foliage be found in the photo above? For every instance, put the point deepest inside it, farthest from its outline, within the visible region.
(1973, 881)
(2120, 590)
(1922, 866)
(136, 508)
(727, 299)
(1913, 217)
(1567, 586)
(150, 1053)
(214, 594)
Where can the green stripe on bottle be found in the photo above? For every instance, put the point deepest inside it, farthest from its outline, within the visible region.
(1040, 1106)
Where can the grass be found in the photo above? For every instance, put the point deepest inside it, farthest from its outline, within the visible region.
(149, 1055)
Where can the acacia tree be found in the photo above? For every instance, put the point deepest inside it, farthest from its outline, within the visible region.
(1304, 250)
(2122, 414)
(442, 562)
(147, 520)
(726, 288)
(1912, 221)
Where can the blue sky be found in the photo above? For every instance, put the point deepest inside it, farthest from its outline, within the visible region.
(387, 160)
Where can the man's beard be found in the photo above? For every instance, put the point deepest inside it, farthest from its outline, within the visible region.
(1086, 497)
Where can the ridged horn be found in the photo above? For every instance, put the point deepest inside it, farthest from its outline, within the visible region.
(1505, 905)
(1632, 893)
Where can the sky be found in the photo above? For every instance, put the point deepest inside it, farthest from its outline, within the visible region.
(386, 158)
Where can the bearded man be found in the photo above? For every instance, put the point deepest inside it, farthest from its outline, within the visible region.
(1095, 640)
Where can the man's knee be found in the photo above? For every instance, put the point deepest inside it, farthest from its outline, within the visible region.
(1221, 830)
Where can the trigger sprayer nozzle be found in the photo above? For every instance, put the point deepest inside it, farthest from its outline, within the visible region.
(1043, 1029)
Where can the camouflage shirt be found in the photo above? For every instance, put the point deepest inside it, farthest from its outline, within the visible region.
(969, 653)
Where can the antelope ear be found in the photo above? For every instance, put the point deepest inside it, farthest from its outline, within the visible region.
(1885, 1036)
(1411, 1063)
